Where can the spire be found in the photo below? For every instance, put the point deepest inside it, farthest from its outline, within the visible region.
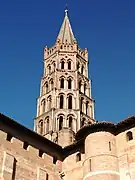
(66, 34)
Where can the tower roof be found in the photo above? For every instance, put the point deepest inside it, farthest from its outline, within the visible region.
(66, 34)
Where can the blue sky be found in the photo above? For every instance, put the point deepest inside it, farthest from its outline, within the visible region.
(106, 28)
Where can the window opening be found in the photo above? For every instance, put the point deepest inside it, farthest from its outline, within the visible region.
(70, 102)
(61, 101)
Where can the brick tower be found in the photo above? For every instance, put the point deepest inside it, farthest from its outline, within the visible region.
(65, 103)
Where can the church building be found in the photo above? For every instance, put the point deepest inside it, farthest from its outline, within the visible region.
(67, 143)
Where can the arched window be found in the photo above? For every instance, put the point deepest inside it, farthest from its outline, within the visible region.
(46, 87)
(69, 84)
(80, 83)
(81, 104)
(54, 66)
(78, 65)
(41, 126)
(43, 105)
(70, 102)
(47, 176)
(82, 69)
(129, 136)
(60, 122)
(61, 101)
(47, 125)
(62, 83)
(78, 157)
(70, 122)
(49, 69)
(87, 108)
(69, 64)
(84, 88)
(52, 84)
(49, 102)
(62, 64)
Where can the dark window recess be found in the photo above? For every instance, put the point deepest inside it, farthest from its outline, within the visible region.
(60, 123)
(90, 164)
(62, 65)
(41, 153)
(69, 65)
(129, 136)
(62, 83)
(69, 84)
(61, 101)
(9, 137)
(25, 145)
(78, 157)
(47, 176)
(70, 102)
(110, 146)
(54, 160)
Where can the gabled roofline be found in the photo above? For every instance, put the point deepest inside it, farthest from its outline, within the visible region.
(24, 134)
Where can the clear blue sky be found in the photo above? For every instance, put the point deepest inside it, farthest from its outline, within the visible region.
(105, 27)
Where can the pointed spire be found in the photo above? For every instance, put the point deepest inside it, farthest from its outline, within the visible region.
(66, 34)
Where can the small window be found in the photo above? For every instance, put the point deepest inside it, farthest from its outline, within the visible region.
(25, 145)
(85, 89)
(47, 176)
(82, 69)
(9, 137)
(69, 84)
(90, 164)
(41, 126)
(87, 108)
(80, 83)
(78, 157)
(129, 136)
(110, 146)
(49, 69)
(62, 83)
(60, 122)
(62, 64)
(61, 101)
(70, 122)
(41, 153)
(54, 160)
(70, 102)
(78, 65)
(69, 65)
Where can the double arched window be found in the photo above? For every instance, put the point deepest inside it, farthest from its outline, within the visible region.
(67, 81)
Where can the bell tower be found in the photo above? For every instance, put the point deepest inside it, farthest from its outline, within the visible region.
(65, 103)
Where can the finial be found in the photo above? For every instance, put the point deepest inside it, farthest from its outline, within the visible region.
(66, 10)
